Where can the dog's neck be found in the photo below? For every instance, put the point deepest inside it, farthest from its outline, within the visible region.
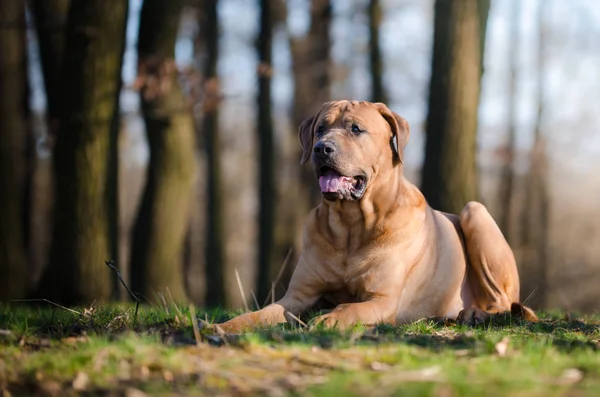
(379, 202)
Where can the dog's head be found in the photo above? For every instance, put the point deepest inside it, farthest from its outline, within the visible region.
(350, 143)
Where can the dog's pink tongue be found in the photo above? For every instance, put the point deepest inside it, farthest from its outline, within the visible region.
(330, 182)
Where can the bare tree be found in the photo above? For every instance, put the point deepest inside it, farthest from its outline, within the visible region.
(377, 91)
(449, 173)
(85, 155)
(266, 151)
(50, 19)
(13, 129)
(311, 63)
(159, 231)
(311, 68)
(215, 257)
(536, 211)
(508, 173)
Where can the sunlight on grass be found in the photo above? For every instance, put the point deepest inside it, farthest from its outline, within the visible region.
(46, 350)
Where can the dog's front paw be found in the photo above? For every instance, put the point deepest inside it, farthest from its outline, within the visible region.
(329, 320)
(473, 316)
(234, 326)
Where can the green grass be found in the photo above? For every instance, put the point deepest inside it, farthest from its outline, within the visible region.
(105, 351)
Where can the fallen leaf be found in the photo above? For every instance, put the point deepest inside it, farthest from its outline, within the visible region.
(50, 388)
(81, 381)
(377, 366)
(502, 346)
(144, 372)
(72, 340)
(571, 375)
(168, 376)
(88, 312)
(131, 392)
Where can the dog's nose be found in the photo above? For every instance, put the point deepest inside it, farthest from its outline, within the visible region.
(324, 148)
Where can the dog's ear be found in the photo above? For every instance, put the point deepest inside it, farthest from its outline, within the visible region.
(400, 131)
(306, 136)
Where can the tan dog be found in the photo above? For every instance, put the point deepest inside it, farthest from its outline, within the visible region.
(374, 249)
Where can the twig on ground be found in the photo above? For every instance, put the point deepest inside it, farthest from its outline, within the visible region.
(239, 282)
(292, 315)
(137, 300)
(47, 301)
(278, 278)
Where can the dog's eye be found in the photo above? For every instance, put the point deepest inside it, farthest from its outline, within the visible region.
(320, 129)
(356, 130)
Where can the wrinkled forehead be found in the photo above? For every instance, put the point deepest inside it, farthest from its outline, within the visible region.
(342, 112)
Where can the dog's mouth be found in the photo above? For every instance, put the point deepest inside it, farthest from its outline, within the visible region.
(336, 186)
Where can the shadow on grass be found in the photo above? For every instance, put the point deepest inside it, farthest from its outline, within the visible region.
(173, 326)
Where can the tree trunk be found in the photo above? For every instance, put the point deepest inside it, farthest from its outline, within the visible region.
(377, 91)
(156, 261)
(50, 19)
(265, 153)
(507, 182)
(311, 67)
(449, 171)
(13, 129)
(311, 64)
(215, 257)
(85, 213)
(536, 211)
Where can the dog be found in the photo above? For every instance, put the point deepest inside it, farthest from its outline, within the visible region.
(374, 249)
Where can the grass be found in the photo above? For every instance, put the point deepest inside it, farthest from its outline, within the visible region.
(104, 351)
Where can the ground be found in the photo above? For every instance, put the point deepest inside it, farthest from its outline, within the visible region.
(109, 351)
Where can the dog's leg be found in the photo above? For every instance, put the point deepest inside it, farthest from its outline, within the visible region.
(272, 314)
(371, 312)
(492, 273)
(304, 290)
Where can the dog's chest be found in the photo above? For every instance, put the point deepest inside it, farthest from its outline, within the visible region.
(353, 276)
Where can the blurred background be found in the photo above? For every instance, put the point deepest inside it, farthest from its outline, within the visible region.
(162, 135)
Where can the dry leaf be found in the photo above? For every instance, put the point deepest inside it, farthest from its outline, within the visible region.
(144, 372)
(168, 376)
(571, 375)
(81, 381)
(377, 366)
(131, 392)
(502, 346)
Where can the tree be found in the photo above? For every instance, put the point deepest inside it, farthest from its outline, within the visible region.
(449, 178)
(508, 173)
(13, 127)
(156, 262)
(311, 63)
(84, 158)
(50, 18)
(215, 257)
(266, 151)
(377, 90)
(311, 68)
(536, 210)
